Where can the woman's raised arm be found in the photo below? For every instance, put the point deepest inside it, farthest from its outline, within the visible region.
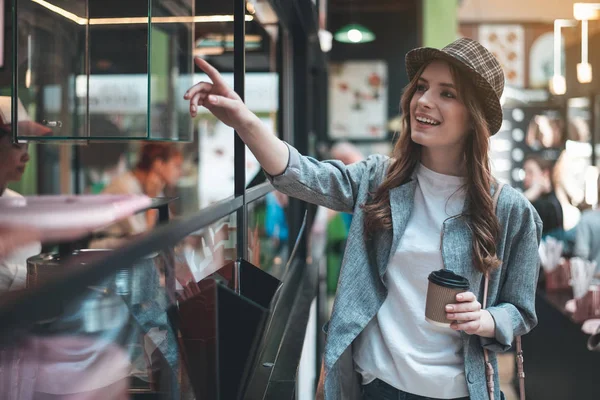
(226, 105)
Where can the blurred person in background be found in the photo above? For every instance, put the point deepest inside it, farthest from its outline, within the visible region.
(346, 152)
(17, 244)
(158, 167)
(539, 190)
(587, 237)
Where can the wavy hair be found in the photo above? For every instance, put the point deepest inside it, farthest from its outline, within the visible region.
(479, 214)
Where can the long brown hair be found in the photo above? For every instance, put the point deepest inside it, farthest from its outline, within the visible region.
(479, 214)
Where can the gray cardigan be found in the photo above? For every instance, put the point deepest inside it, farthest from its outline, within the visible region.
(361, 289)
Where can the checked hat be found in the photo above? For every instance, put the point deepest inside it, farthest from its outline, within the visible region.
(478, 63)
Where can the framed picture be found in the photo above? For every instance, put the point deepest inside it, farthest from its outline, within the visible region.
(507, 43)
(358, 100)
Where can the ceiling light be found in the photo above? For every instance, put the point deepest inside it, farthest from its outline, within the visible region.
(136, 20)
(354, 33)
(584, 72)
(586, 11)
(325, 40)
(558, 85)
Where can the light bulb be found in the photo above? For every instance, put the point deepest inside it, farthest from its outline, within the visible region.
(354, 35)
(325, 40)
(586, 11)
(584, 72)
(558, 85)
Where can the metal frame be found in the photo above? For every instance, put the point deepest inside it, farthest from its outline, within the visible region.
(14, 102)
(239, 85)
(258, 192)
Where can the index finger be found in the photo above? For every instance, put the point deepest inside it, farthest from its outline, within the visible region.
(211, 71)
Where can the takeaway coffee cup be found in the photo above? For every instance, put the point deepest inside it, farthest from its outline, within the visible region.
(443, 287)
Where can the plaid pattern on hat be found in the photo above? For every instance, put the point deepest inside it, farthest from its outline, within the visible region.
(477, 61)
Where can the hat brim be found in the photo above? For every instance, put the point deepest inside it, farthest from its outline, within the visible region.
(492, 108)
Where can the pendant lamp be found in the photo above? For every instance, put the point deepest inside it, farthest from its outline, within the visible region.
(354, 33)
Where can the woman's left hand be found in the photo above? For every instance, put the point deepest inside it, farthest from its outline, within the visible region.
(469, 317)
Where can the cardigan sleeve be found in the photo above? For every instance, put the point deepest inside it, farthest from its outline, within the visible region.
(330, 184)
(514, 313)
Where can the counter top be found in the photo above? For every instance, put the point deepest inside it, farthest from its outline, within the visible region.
(558, 365)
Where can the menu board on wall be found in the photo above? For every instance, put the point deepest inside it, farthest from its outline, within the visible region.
(358, 100)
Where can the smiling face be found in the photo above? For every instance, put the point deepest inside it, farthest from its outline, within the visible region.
(13, 159)
(438, 118)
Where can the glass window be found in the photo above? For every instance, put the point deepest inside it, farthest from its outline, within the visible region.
(171, 71)
(50, 55)
(268, 233)
(204, 252)
(263, 76)
(97, 68)
(210, 174)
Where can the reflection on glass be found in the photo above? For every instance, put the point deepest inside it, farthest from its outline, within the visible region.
(204, 252)
(118, 339)
(268, 233)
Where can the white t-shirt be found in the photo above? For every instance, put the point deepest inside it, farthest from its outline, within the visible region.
(13, 268)
(399, 346)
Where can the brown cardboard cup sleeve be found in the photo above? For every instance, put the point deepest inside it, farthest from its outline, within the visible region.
(443, 287)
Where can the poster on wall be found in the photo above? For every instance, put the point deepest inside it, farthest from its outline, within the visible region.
(507, 43)
(358, 100)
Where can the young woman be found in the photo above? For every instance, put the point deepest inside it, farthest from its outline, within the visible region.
(428, 207)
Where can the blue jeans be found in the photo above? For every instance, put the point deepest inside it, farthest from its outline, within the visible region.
(379, 390)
